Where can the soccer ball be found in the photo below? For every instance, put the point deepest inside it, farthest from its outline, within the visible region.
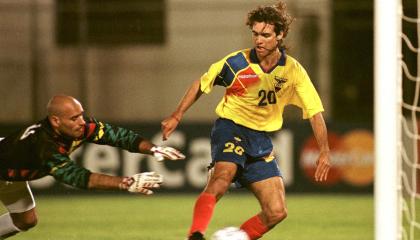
(230, 233)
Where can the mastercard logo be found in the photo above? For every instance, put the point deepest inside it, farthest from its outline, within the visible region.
(351, 157)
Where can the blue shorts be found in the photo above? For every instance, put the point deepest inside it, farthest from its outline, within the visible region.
(251, 150)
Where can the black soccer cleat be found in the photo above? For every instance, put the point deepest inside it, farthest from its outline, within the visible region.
(196, 236)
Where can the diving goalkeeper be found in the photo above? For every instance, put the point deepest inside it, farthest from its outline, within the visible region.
(44, 148)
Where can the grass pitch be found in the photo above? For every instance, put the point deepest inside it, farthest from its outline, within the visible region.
(167, 217)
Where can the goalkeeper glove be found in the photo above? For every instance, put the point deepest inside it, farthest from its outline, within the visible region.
(161, 153)
(142, 182)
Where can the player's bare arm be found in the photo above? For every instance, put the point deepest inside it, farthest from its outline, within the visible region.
(320, 132)
(170, 123)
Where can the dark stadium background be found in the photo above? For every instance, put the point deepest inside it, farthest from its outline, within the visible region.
(129, 63)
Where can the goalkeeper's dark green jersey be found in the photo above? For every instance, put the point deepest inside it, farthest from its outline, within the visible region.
(37, 151)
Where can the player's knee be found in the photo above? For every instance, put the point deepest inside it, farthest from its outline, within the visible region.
(275, 216)
(218, 186)
(26, 223)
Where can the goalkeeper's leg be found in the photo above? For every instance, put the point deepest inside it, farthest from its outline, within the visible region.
(220, 178)
(271, 196)
(17, 198)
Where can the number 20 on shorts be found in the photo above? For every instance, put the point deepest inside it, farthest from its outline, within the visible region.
(231, 147)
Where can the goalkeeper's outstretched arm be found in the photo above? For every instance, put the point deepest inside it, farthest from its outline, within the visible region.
(138, 183)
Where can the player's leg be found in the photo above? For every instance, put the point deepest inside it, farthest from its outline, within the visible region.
(228, 152)
(271, 196)
(18, 199)
(25, 220)
(220, 178)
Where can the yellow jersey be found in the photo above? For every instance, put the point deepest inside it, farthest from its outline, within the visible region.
(256, 99)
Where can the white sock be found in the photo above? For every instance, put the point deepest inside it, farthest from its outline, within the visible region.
(7, 228)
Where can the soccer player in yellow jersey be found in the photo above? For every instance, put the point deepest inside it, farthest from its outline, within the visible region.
(259, 83)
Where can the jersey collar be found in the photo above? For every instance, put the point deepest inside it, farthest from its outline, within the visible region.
(281, 62)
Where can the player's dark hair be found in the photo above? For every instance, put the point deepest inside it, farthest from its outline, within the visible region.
(274, 14)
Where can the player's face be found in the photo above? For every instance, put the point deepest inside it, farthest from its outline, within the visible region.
(71, 123)
(264, 38)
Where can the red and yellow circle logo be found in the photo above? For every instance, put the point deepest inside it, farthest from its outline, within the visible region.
(351, 156)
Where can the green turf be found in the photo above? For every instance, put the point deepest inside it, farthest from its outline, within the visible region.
(167, 217)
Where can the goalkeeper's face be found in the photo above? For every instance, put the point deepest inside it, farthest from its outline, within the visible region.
(71, 123)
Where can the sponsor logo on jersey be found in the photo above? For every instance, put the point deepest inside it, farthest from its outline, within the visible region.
(244, 80)
(245, 76)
